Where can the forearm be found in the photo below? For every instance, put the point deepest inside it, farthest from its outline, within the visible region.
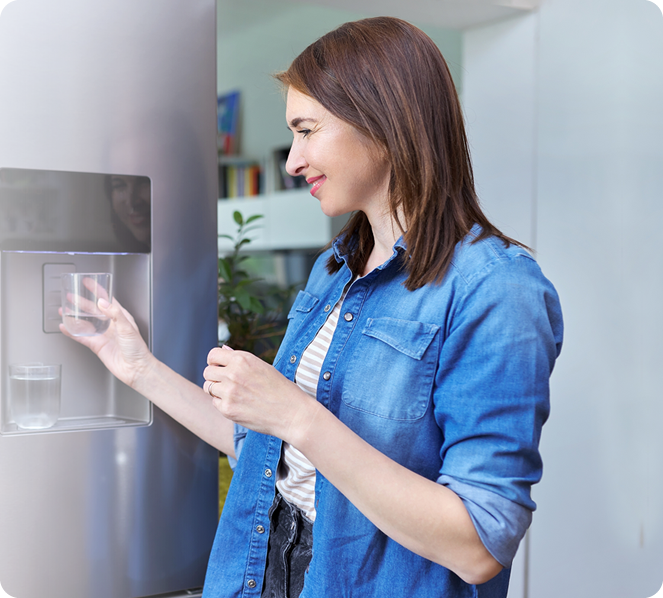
(186, 403)
(425, 517)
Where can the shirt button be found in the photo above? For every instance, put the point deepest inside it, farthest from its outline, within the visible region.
(268, 473)
(251, 583)
(348, 317)
(327, 307)
(293, 358)
(326, 375)
(260, 529)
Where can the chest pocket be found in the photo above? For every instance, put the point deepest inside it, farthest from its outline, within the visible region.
(304, 303)
(392, 369)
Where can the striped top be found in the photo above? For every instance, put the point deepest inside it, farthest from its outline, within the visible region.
(295, 478)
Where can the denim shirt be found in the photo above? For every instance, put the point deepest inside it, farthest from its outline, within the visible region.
(449, 380)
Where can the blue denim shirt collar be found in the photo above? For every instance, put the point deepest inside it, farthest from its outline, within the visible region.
(341, 256)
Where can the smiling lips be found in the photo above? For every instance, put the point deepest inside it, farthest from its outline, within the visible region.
(316, 182)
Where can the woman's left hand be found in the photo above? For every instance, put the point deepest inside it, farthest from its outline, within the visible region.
(255, 395)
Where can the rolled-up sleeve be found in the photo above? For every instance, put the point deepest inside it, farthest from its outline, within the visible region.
(492, 395)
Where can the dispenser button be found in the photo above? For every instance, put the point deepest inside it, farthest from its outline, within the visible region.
(51, 274)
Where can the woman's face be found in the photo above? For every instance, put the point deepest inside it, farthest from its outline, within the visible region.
(130, 197)
(346, 170)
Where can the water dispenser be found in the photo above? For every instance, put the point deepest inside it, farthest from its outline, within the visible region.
(54, 223)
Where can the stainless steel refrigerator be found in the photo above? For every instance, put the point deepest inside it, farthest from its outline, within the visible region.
(116, 500)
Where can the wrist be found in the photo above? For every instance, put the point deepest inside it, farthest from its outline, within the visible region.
(304, 425)
(146, 374)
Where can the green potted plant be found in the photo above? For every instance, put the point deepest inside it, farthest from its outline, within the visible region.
(252, 310)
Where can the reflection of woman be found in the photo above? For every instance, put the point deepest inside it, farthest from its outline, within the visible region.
(391, 449)
(130, 198)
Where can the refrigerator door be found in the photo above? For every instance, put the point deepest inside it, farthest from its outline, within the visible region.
(120, 86)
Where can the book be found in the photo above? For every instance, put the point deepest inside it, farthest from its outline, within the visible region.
(239, 177)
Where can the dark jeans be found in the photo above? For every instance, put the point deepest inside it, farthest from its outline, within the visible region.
(289, 550)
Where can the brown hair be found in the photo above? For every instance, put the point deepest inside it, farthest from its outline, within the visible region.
(387, 78)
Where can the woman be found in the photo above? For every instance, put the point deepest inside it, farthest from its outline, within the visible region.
(391, 449)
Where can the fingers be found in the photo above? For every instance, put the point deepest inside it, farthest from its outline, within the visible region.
(80, 304)
(220, 356)
(212, 374)
(207, 387)
(218, 360)
(94, 287)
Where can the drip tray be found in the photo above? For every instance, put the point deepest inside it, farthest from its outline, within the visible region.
(77, 423)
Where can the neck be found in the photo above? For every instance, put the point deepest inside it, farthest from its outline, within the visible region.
(385, 234)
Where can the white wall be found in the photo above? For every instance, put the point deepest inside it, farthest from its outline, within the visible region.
(581, 84)
(499, 87)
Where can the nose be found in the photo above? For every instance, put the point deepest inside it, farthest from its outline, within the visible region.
(137, 199)
(296, 163)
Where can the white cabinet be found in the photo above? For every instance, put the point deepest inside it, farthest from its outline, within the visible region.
(292, 220)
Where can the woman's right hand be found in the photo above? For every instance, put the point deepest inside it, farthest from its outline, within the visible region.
(121, 348)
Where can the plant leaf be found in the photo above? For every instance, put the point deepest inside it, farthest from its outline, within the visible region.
(253, 218)
(237, 217)
(224, 270)
(243, 297)
(256, 306)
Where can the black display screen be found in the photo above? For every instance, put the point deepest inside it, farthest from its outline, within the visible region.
(47, 210)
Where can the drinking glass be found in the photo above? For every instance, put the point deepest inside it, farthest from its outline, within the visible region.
(34, 395)
(80, 293)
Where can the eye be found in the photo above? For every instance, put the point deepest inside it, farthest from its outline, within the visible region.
(304, 132)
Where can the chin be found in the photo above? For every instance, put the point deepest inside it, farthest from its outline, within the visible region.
(331, 211)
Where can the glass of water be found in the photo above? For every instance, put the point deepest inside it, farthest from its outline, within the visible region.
(34, 395)
(80, 293)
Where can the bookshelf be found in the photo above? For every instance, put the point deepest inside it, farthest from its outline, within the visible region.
(292, 220)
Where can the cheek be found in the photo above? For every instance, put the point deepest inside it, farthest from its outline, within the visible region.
(315, 156)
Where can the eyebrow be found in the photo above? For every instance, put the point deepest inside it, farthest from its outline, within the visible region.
(295, 122)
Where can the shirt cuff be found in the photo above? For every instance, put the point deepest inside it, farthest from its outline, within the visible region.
(500, 523)
(239, 435)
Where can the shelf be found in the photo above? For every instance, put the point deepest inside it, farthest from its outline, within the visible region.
(293, 220)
